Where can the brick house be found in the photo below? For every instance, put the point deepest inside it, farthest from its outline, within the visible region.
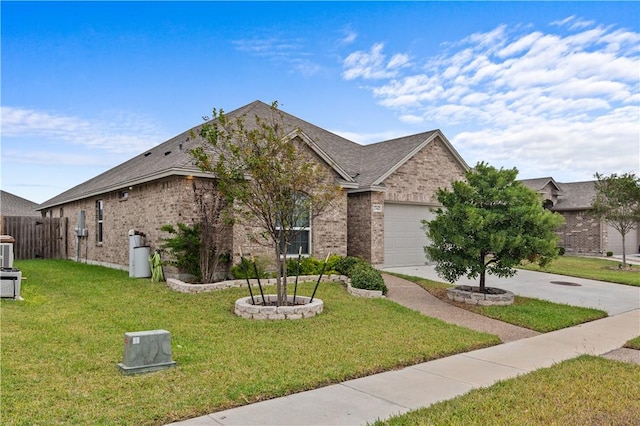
(387, 189)
(582, 232)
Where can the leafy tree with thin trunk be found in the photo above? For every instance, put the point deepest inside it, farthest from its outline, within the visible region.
(269, 176)
(617, 202)
(489, 224)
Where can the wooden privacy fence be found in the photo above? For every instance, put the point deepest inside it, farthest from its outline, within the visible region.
(37, 237)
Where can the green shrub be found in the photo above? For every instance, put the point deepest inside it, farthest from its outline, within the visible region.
(184, 248)
(561, 251)
(308, 266)
(365, 277)
(344, 265)
(245, 267)
(609, 253)
(311, 265)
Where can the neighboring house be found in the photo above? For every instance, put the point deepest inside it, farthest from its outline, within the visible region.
(12, 205)
(387, 189)
(582, 233)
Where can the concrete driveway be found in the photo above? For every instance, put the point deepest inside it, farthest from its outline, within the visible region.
(612, 298)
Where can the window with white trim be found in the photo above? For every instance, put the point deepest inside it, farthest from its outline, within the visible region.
(99, 221)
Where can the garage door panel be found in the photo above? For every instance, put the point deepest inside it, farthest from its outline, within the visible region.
(404, 234)
(615, 241)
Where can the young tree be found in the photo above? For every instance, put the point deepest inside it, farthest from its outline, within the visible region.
(269, 177)
(212, 229)
(490, 223)
(617, 202)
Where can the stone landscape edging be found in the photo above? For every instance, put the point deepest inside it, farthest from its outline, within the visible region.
(482, 299)
(183, 287)
(254, 309)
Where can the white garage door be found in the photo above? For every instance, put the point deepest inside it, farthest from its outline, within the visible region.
(615, 241)
(404, 237)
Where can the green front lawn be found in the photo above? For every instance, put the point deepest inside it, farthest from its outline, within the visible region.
(590, 268)
(60, 347)
(582, 391)
(633, 343)
(534, 314)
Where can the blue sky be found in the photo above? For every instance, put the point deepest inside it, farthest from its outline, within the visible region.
(550, 88)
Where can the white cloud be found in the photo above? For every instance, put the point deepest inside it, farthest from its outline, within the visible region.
(284, 50)
(368, 138)
(48, 158)
(268, 46)
(118, 132)
(573, 23)
(552, 102)
(349, 37)
(373, 64)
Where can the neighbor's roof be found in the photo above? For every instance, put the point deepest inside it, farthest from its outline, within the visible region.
(12, 205)
(539, 183)
(576, 196)
(358, 166)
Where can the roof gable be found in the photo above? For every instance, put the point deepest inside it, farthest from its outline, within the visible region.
(540, 184)
(385, 158)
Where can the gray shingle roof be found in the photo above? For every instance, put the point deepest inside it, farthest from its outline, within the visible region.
(12, 205)
(538, 183)
(363, 166)
(576, 196)
(571, 196)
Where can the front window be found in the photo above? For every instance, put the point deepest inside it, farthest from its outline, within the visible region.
(99, 220)
(300, 232)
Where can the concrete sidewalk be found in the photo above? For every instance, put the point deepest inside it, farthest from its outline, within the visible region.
(380, 396)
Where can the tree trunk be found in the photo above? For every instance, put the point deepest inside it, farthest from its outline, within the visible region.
(278, 276)
(482, 273)
(624, 252)
(285, 301)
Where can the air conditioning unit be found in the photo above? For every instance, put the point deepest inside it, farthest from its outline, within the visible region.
(6, 255)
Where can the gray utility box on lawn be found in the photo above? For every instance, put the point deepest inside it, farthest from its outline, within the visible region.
(146, 351)
(10, 279)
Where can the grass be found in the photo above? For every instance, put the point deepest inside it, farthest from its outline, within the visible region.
(633, 343)
(60, 347)
(586, 390)
(590, 268)
(534, 314)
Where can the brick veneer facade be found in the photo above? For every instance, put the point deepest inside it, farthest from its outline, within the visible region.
(582, 233)
(352, 225)
(328, 234)
(366, 226)
(147, 207)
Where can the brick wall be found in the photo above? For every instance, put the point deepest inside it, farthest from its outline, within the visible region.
(146, 208)
(581, 233)
(417, 180)
(359, 225)
(328, 234)
(329, 230)
(366, 226)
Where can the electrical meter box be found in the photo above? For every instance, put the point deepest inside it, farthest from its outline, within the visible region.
(146, 351)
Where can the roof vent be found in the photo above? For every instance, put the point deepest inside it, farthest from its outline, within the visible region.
(146, 154)
(167, 153)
